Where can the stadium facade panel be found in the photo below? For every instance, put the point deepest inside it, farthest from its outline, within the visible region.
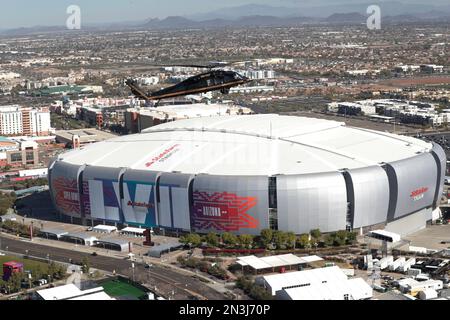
(369, 196)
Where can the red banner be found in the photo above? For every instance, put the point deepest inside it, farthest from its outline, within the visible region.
(223, 212)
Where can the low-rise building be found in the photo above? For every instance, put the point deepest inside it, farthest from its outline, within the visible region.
(329, 283)
(431, 68)
(72, 292)
(80, 137)
(26, 155)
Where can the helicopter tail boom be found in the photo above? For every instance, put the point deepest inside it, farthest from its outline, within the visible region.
(136, 90)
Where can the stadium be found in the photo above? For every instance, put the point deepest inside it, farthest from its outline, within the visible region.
(242, 174)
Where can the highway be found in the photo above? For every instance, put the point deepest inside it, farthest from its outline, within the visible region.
(168, 282)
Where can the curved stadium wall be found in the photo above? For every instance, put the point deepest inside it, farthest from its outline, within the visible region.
(307, 174)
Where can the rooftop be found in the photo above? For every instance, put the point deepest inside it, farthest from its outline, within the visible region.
(90, 134)
(72, 292)
(249, 145)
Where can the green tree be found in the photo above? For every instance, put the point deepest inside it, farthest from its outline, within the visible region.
(342, 236)
(229, 239)
(330, 238)
(266, 237)
(37, 272)
(192, 239)
(351, 237)
(303, 241)
(279, 238)
(246, 240)
(335, 239)
(244, 283)
(316, 234)
(15, 281)
(212, 240)
(290, 239)
(86, 266)
(2, 284)
(259, 293)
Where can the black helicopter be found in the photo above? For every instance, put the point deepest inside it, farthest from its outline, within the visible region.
(213, 80)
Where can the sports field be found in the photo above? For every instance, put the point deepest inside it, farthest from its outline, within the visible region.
(119, 288)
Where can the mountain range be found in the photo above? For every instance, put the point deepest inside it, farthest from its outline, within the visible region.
(391, 8)
(263, 15)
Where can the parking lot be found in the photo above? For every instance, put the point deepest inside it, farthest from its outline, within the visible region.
(431, 237)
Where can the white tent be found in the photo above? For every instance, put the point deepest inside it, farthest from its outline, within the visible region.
(104, 229)
(270, 262)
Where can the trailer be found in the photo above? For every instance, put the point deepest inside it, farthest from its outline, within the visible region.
(385, 262)
(407, 265)
(397, 264)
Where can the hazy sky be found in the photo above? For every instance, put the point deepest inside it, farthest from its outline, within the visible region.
(26, 13)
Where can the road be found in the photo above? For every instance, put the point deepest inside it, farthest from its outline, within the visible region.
(169, 283)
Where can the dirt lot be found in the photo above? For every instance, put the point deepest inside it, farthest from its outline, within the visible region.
(431, 237)
(417, 81)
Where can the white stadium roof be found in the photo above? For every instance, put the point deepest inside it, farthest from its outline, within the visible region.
(249, 145)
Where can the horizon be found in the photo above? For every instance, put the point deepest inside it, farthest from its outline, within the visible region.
(21, 13)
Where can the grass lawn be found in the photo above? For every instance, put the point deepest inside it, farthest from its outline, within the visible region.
(118, 288)
(28, 264)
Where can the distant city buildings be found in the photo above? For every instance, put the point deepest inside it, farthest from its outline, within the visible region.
(424, 68)
(148, 81)
(8, 75)
(431, 68)
(137, 120)
(258, 74)
(390, 110)
(252, 89)
(16, 120)
(96, 111)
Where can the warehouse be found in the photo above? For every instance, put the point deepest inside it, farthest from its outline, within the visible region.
(242, 174)
(352, 289)
(329, 283)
